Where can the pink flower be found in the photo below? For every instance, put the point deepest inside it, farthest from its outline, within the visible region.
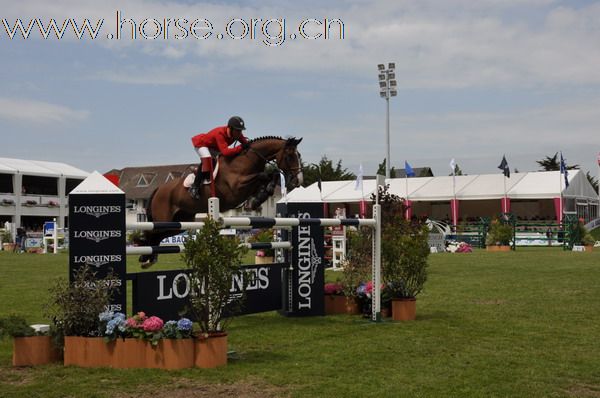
(133, 323)
(333, 288)
(153, 324)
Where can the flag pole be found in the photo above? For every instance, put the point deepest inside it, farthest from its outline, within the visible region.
(560, 207)
(505, 210)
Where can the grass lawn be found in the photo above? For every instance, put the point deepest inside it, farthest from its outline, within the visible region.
(519, 324)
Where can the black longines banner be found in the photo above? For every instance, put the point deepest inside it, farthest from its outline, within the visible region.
(166, 293)
(97, 238)
(303, 287)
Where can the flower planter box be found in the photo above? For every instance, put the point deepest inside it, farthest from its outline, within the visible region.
(88, 352)
(8, 247)
(404, 309)
(171, 354)
(129, 353)
(211, 352)
(34, 350)
(335, 304)
(493, 248)
(263, 260)
(589, 248)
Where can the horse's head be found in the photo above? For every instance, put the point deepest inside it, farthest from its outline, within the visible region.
(289, 161)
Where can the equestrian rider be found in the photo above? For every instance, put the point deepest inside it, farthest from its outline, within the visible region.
(218, 139)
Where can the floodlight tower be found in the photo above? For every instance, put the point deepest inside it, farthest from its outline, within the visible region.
(387, 89)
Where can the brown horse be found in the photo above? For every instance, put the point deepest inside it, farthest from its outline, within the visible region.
(239, 178)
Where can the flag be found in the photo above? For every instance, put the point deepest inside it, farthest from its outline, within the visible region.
(563, 170)
(359, 179)
(453, 166)
(504, 167)
(409, 170)
(282, 186)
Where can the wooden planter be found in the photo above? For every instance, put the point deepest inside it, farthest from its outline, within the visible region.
(88, 352)
(171, 354)
(91, 352)
(404, 309)
(493, 248)
(263, 260)
(335, 304)
(211, 352)
(8, 247)
(34, 350)
(589, 248)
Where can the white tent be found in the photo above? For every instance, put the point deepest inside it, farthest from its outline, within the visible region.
(531, 185)
(481, 189)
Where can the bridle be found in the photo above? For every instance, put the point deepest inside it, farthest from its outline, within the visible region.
(289, 174)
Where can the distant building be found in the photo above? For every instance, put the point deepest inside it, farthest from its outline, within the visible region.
(35, 191)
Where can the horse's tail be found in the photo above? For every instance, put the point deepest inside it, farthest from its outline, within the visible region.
(149, 207)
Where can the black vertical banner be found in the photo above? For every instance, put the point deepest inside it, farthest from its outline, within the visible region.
(97, 233)
(302, 292)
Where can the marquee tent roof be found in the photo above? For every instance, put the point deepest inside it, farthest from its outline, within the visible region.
(40, 168)
(530, 185)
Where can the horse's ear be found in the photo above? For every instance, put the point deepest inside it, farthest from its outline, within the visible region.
(293, 141)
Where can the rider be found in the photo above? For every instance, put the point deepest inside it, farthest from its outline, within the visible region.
(218, 139)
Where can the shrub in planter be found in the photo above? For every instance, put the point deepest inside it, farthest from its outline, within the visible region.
(212, 261)
(404, 254)
(499, 234)
(29, 348)
(74, 307)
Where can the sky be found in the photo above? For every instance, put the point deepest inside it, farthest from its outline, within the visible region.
(476, 80)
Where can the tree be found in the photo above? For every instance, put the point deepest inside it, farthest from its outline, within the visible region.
(457, 171)
(326, 170)
(381, 169)
(593, 180)
(551, 163)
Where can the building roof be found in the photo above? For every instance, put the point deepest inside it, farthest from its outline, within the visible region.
(140, 182)
(531, 185)
(40, 168)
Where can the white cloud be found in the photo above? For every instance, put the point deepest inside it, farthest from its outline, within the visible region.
(155, 76)
(38, 112)
(449, 44)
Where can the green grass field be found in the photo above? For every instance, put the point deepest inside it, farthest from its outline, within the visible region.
(522, 324)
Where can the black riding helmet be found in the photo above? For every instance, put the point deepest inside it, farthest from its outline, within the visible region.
(236, 123)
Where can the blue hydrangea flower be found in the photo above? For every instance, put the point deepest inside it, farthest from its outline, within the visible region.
(184, 324)
(105, 316)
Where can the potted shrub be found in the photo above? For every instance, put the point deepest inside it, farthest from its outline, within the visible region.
(356, 270)
(588, 241)
(336, 301)
(499, 236)
(7, 241)
(583, 237)
(404, 254)
(73, 310)
(29, 347)
(263, 256)
(212, 261)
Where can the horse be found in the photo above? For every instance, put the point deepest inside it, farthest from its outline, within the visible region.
(239, 178)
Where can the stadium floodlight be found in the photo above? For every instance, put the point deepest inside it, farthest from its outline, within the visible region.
(387, 88)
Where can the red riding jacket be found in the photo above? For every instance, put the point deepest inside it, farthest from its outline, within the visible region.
(218, 138)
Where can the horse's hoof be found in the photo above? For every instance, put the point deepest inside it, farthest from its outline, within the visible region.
(147, 264)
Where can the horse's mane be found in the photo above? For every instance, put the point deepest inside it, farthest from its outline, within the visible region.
(267, 137)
